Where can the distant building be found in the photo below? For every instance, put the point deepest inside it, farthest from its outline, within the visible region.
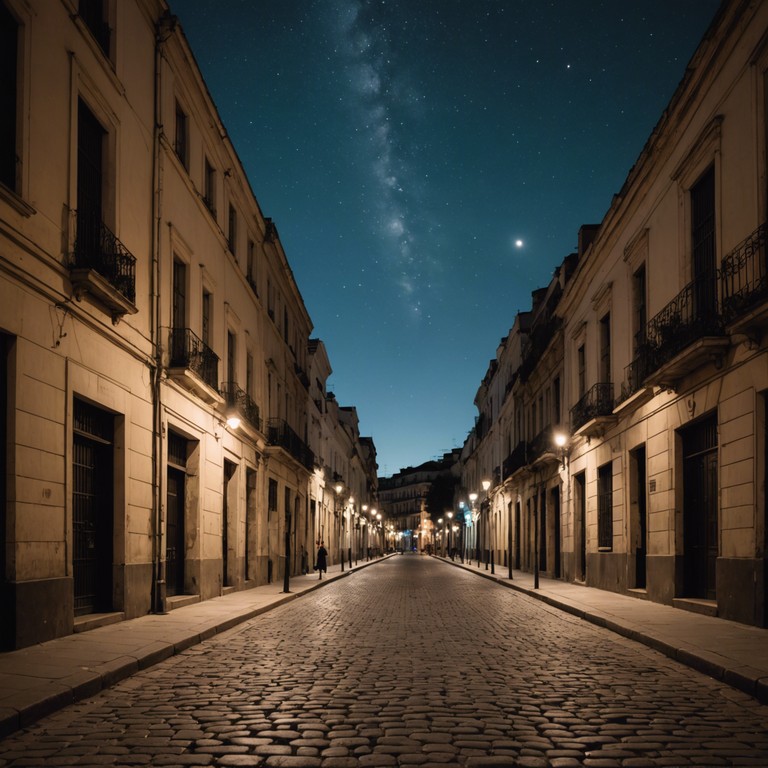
(163, 440)
(404, 499)
(647, 355)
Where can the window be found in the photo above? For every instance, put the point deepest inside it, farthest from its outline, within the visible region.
(605, 348)
(181, 137)
(90, 182)
(179, 294)
(9, 42)
(605, 507)
(232, 229)
(249, 374)
(209, 187)
(581, 362)
(639, 308)
(556, 399)
(231, 357)
(272, 497)
(207, 309)
(251, 266)
(92, 12)
(703, 241)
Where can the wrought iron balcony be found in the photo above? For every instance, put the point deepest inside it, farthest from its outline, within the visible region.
(516, 460)
(686, 333)
(101, 265)
(542, 448)
(281, 435)
(744, 280)
(241, 402)
(187, 352)
(594, 408)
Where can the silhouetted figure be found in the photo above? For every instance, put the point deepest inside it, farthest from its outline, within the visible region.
(322, 560)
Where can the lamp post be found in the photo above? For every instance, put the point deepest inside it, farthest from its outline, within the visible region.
(489, 532)
(440, 522)
(472, 500)
(381, 528)
(449, 526)
(339, 488)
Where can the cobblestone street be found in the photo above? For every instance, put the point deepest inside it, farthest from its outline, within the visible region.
(409, 662)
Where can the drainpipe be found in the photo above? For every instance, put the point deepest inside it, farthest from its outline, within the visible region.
(164, 27)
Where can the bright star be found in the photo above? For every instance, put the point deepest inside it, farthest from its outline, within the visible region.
(518, 243)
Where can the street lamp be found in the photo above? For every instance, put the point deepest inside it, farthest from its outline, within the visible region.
(561, 440)
(486, 488)
(472, 500)
(449, 526)
(339, 488)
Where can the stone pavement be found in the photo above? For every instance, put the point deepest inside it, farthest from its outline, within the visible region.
(38, 680)
(733, 653)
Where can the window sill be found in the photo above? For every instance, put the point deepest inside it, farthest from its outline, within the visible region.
(9, 196)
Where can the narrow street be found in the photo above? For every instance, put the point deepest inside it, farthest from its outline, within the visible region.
(408, 662)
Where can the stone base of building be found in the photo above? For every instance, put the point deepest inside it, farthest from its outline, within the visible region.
(35, 611)
(607, 570)
(134, 589)
(741, 590)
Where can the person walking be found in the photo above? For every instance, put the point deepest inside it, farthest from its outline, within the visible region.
(322, 560)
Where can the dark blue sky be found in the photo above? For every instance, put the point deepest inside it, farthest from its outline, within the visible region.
(403, 147)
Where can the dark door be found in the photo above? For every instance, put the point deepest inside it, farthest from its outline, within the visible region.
(92, 512)
(174, 533)
(580, 507)
(556, 531)
(517, 534)
(229, 471)
(638, 489)
(700, 539)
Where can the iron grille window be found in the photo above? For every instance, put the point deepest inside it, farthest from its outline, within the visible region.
(272, 497)
(9, 41)
(605, 507)
(582, 370)
(177, 450)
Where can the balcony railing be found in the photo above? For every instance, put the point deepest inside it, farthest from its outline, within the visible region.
(98, 249)
(596, 402)
(189, 352)
(281, 435)
(744, 277)
(241, 402)
(516, 460)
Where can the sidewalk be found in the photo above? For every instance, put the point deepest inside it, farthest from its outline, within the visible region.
(39, 680)
(735, 654)
(43, 678)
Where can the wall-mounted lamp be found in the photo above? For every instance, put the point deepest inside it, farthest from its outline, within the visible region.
(561, 441)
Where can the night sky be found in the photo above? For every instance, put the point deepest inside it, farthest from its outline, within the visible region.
(428, 164)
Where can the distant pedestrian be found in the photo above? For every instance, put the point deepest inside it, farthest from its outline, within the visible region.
(304, 561)
(321, 564)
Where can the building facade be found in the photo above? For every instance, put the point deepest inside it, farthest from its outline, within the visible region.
(156, 354)
(653, 379)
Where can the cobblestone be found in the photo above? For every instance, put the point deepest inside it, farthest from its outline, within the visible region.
(408, 663)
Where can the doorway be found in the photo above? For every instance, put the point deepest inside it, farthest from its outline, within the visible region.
(700, 529)
(639, 512)
(555, 496)
(580, 533)
(92, 509)
(175, 506)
